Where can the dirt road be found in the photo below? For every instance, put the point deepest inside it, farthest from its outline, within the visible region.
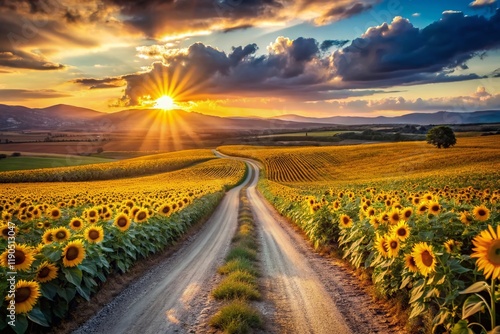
(311, 294)
(167, 299)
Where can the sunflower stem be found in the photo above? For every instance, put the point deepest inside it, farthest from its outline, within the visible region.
(493, 302)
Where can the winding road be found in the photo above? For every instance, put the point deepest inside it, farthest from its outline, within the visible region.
(309, 293)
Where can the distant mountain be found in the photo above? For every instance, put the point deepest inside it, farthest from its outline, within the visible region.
(440, 117)
(177, 122)
(64, 117)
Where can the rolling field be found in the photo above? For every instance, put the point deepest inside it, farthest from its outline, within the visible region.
(412, 216)
(47, 161)
(70, 236)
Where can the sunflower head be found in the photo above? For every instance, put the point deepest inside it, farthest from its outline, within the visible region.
(401, 230)
(73, 253)
(7, 231)
(393, 244)
(21, 259)
(165, 210)
(46, 272)
(47, 236)
(410, 263)
(26, 296)
(406, 213)
(76, 224)
(466, 218)
(94, 234)
(481, 213)
(422, 208)
(122, 221)
(345, 221)
(424, 258)
(434, 208)
(487, 252)
(61, 234)
(54, 213)
(381, 245)
(394, 216)
(141, 215)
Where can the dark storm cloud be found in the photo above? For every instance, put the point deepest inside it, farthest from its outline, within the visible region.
(25, 94)
(325, 45)
(100, 83)
(399, 50)
(21, 59)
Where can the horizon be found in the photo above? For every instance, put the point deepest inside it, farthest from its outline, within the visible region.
(363, 58)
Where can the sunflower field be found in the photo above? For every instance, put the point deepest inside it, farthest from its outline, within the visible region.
(426, 233)
(66, 238)
(157, 163)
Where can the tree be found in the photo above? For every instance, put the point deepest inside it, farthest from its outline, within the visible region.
(441, 136)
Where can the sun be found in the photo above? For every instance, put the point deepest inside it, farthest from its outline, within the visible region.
(165, 102)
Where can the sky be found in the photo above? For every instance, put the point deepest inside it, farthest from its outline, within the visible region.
(261, 58)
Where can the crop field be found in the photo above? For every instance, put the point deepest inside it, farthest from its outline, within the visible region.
(418, 220)
(70, 236)
(47, 161)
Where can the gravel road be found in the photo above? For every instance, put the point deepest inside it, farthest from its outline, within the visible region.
(170, 297)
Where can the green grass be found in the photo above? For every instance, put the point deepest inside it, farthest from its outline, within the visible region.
(34, 162)
(232, 288)
(241, 252)
(238, 265)
(236, 318)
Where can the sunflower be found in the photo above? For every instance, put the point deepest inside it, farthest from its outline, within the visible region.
(23, 257)
(381, 245)
(487, 250)
(416, 200)
(401, 230)
(374, 221)
(73, 253)
(410, 263)
(452, 246)
(424, 258)
(394, 216)
(26, 295)
(345, 221)
(370, 211)
(94, 234)
(434, 208)
(384, 217)
(466, 218)
(422, 208)
(406, 213)
(47, 236)
(61, 234)
(165, 210)
(481, 213)
(393, 246)
(76, 224)
(5, 230)
(122, 221)
(92, 215)
(141, 216)
(46, 272)
(54, 213)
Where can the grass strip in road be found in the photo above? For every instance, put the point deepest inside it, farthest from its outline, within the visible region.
(241, 271)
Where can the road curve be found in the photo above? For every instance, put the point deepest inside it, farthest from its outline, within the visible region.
(166, 299)
(311, 293)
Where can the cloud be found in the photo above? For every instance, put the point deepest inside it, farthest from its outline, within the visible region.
(482, 3)
(100, 83)
(26, 94)
(157, 19)
(21, 59)
(384, 56)
(327, 44)
(400, 53)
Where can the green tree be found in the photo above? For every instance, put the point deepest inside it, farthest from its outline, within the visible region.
(441, 136)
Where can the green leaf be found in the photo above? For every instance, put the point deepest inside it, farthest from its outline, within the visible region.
(21, 324)
(461, 328)
(456, 267)
(84, 292)
(73, 275)
(49, 290)
(54, 255)
(38, 317)
(472, 305)
(122, 266)
(91, 269)
(476, 287)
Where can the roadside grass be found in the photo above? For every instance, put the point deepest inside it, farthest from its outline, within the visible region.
(236, 317)
(240, 284)
(36, 162)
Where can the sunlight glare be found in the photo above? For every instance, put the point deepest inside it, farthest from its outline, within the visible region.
(165, 102)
